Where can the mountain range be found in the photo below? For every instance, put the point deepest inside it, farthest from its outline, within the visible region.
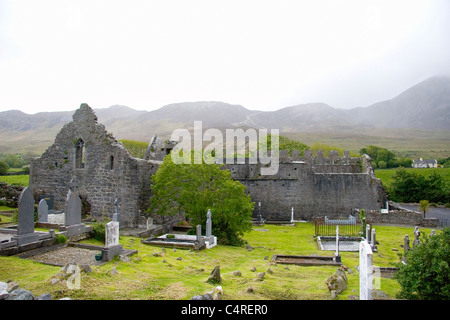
(423, 108)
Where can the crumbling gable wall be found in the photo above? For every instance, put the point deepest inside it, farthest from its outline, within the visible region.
(97, 164)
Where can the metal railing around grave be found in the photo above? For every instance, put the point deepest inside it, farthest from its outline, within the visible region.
(327, 227)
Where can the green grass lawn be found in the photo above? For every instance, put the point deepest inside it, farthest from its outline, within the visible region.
(22, 180)
(166, 277)
(386, 174)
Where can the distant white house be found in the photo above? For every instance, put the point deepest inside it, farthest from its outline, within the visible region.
(425, 163)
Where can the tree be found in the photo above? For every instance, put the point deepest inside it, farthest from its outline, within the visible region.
(192, 189)
(423, 206)
(426, 275)
(3, 168)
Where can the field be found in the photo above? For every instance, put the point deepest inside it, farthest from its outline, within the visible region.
(21, 180)
(386, 174)
(168, 278)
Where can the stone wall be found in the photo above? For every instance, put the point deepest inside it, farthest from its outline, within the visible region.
(314, 186)
(102, 169)
(401, 217)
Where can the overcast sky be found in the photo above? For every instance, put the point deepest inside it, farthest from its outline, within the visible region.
(264, 55)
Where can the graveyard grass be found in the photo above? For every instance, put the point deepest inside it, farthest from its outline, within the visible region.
(166, 278)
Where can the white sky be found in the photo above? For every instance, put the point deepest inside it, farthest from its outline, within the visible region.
(264, 55)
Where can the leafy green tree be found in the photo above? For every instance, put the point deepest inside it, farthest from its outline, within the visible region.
(194, 188)
(426, 276)
(407, 186)
(382, 164)
(423, 206)
(3, 168)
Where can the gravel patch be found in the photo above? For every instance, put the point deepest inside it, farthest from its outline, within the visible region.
(67, 255)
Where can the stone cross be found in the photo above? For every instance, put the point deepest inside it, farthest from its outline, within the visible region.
(116, 210)
(42, 211)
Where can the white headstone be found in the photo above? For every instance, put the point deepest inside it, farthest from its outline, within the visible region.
(112, 234)
(365, 271)
(149, 223)
(292, 214)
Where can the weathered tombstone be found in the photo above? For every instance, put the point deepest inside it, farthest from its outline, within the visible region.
(416, 236)
(367, 232)
(73, 208)
(373, 242)
(25, 219)
(42, 211)
(73, 214)
(406, 247)
(432, 232)
(292, 215)
(199, 239)
(112, 246)
(209, 236)
(49, 199)
(365, 271)
(112, 234)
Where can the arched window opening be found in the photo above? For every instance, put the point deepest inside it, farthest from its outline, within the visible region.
(80, 154)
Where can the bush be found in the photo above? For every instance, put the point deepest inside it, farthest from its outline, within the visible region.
(60, 238)
(3, 168)
(426, 276)
(99, 228)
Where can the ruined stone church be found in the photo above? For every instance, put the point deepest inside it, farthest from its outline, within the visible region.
(86, 157)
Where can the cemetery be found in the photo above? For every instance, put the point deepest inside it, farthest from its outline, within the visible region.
(327, 251)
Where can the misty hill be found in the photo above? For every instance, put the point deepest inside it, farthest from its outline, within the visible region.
(425, 106)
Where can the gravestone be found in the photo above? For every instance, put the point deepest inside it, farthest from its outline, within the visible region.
(367, 232)
(116, 210)
(49, 199)
(25, 219)
(42, 211)
(73, 214)
(209, 236)
(112, 246)
(365, 271)
(337, 256)
(406, 247)
(199, 239)
(292, 215)
(373, 242)
(416, 236)
(112, 234)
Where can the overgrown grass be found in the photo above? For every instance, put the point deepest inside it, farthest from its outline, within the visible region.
(167, 277)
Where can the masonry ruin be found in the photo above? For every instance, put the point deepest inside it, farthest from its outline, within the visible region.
(86, 156)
